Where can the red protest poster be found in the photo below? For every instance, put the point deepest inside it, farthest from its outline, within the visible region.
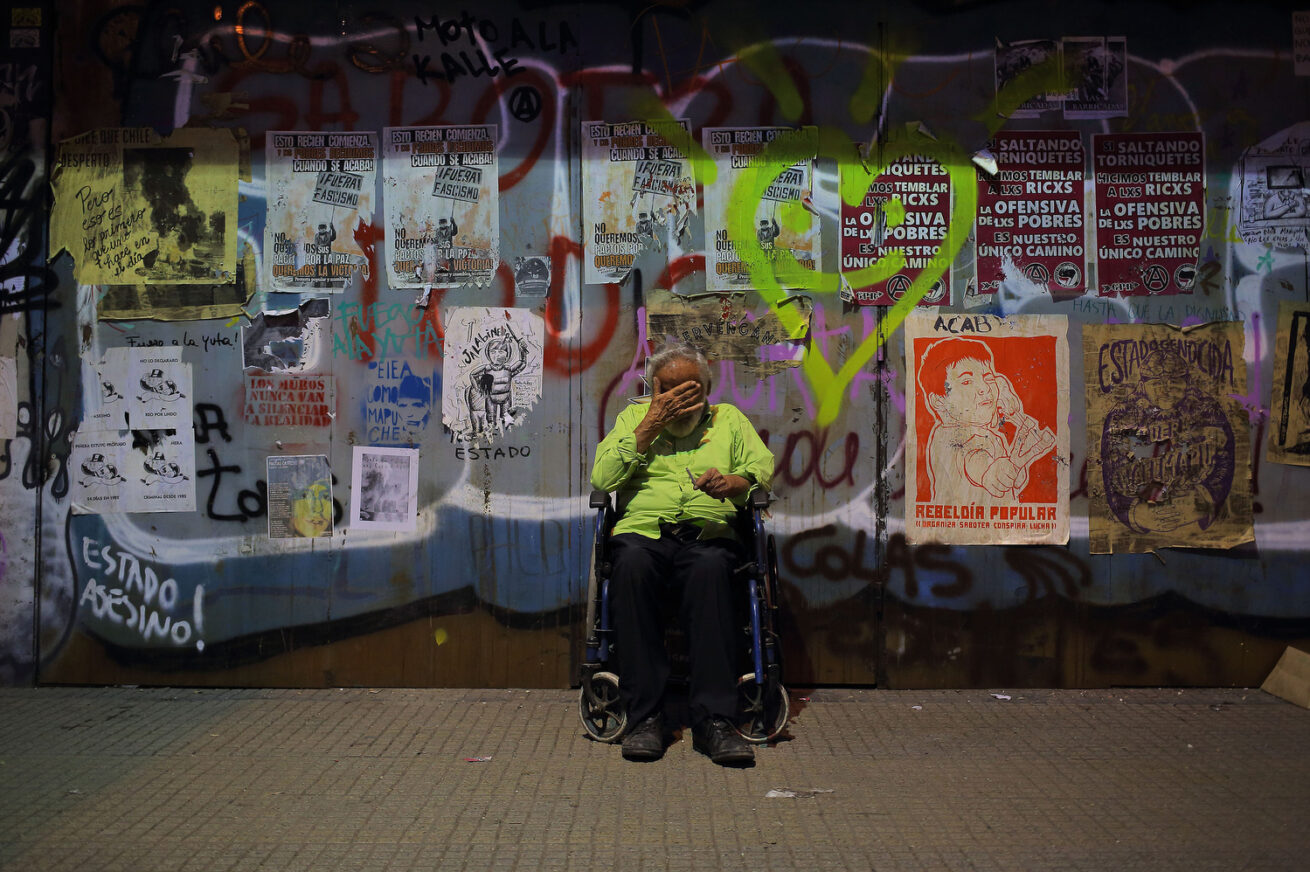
(1150, 211)
(1030, 212)
(987, 425)
(921, 189)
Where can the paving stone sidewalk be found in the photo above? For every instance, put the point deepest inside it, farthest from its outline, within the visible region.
(107, 779)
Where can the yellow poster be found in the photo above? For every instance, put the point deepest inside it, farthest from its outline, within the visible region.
(1168, 443)
(133, 208)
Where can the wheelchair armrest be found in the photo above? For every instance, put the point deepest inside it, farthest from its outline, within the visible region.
(600, 499)
(759, 498)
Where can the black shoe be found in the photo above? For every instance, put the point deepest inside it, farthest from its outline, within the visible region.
(645, 741)
(716, 739)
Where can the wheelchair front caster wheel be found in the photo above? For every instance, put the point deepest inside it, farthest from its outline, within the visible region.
(602, 712)
(762, 709)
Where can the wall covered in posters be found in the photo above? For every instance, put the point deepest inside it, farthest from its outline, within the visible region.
(389, 420)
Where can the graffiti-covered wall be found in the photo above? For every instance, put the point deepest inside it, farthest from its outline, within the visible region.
(317, 312)
(30, 292)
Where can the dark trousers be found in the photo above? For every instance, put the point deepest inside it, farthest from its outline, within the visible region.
(696, 576)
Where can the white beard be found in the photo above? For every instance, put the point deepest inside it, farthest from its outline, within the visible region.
(683, 426)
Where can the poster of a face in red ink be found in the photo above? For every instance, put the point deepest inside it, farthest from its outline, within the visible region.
(1150, 211)
(1030, 212)
(987, 424)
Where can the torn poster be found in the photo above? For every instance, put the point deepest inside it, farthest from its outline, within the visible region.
(290, 400)
(988, 426)
(1275, 196)
(1289, 403)
(491, 377)
(1096, 74)
(134, 209)
(906, 209)
(441, 190)
(299, 496)
(286, 341)
(120, 471)
(182, 302)
(1150, 211)
(787, 243)
(638, 192)
(8, 398)
(158, 386)
(1167, 443)
(399, 399)
(384, 489)
(320, 188)
(724, 328)
(1030, 213)
(104, 397)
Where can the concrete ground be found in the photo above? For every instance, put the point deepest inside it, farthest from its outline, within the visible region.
(178, 779)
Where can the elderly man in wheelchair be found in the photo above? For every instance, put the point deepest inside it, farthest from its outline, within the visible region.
(683, 470)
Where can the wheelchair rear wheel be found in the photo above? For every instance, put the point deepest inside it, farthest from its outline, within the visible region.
(602, 712)
(762, 709)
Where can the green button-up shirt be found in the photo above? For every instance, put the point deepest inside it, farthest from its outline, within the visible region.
(655, 488)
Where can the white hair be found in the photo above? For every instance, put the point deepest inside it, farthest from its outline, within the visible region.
(677, 351)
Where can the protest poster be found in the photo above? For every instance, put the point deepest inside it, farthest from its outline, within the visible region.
(1096, 75)
(1087, 76)
(104, 398)
(1289, 402)
(114, 471)
(638, 192)
(784, 241)
(299, 496)
(290, 400)
(134, 208)
(1274, 198)
(320, 189)
(157, 386)
(1012, 59)
(384, 488)
(166, 471)
(99, 462)
(1301, 42)
(1030, 212)
(987, 420)
(917, 190)
(491, 375)
(441, 191)
(1150, 211)
(1167, 440)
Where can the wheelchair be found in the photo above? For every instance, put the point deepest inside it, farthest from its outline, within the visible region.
(761, 698)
